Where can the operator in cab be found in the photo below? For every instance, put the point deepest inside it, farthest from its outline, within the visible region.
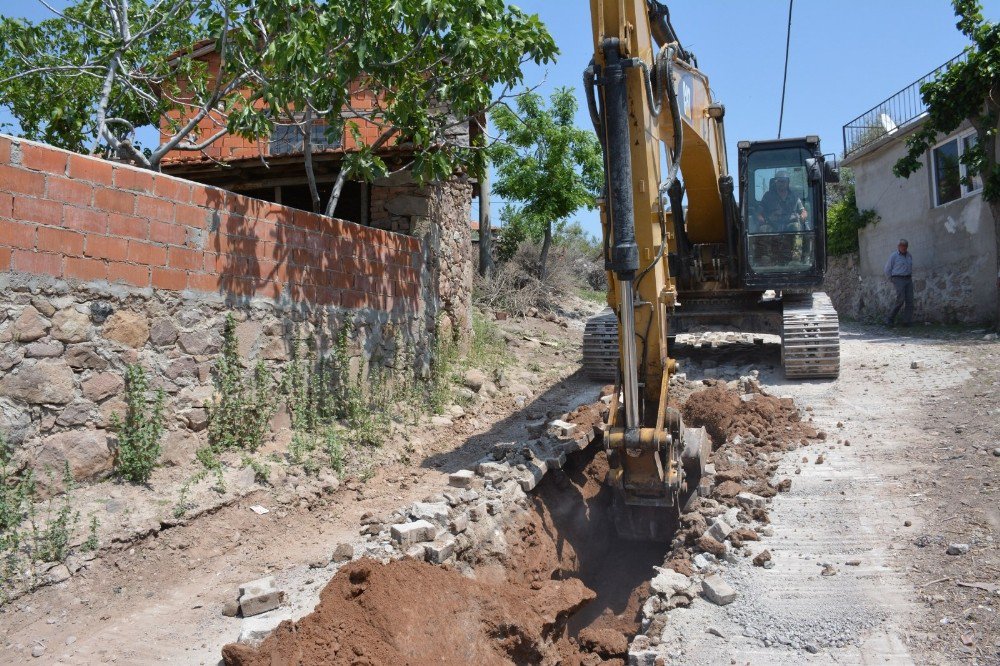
(780, 210)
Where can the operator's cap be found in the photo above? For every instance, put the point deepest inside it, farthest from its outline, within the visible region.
(781, 175)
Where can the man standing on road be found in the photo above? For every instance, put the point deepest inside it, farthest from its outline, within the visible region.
(899, 269)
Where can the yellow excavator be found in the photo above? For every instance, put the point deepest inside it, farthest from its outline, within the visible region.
(682, 254)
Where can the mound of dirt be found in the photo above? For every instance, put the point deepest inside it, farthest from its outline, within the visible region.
(409, 612)
(762, 419)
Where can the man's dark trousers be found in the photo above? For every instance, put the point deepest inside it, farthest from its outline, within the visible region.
(904, 299)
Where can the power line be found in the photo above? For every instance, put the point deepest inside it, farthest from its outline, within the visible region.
(784, 83)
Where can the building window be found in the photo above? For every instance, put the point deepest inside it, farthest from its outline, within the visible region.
(949, 172)
(287, 139)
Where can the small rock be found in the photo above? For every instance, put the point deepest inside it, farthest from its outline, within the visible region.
(711, 545)
(916, 365)
(718, 591)
(231, 608)
(563, 428)
(474, 379)
(958, 548)
(719, 530)
(907, 523)
(260, 596)
(37, 651)
(996, 452)
(461, 479)
(668, 582)
(853, 563)
(715, 632)
(762, 557)
(343, 553)
(407, 534)
(751, 501)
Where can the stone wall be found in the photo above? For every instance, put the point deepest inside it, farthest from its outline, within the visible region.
(953, 247)
(437, 214)
(104, 265)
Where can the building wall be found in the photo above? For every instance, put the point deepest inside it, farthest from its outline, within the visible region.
(953, 245)
(103, 265)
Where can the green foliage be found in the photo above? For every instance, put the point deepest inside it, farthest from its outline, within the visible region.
(139, 434)
(844, 220)
(334, 450)
(488, 349)
(240, 415)
(546, 164)
(967, 90)
(290, 56)
(92, 542)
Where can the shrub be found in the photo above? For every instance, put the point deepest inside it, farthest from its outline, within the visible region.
(240, 415)
(139, 434)
(843, 222)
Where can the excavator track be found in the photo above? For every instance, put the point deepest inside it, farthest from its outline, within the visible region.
(810, 336)
(600, 347)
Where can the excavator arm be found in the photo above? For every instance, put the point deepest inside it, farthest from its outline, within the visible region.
(645, 91)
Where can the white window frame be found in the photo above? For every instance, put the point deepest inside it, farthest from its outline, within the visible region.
(962, 170)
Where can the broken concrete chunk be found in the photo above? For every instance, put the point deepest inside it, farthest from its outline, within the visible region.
(493, 471)
(531, 475)
(461, 479)
(407, 534)
(718, 591)
(260, 596)
(751, 501)
(719, 530)
(668, 582)
(460, 523)
(417, 552)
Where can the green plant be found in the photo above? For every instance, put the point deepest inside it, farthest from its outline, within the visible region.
(50, 540)
(139, 434)
(843, 222)
(240, 415)
(261, 472)
(92, 541)
(334, 449)
(488, 349)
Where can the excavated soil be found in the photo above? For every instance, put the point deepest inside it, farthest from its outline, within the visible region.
(566, 591)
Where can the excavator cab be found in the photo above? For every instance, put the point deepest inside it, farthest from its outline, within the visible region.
(783, 213)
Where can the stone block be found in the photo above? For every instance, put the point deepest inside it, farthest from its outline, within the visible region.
(460, 523)
(439, 552)
(260, 596)
(562, 428)
(129, 328)
(750, 501)
(532, 474)
(493, 471)
(103, 385)
(68, 325)
(461, 479)
(255, 629)
(47, 381)
(407, 534)
(718, 591)
(41, 349)
(668, 582)
(30, 325)
(436, 512)
(719, 530)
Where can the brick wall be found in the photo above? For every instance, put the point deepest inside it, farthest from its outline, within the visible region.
(78, 217)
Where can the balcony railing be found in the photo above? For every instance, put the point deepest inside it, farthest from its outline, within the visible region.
(895, 112)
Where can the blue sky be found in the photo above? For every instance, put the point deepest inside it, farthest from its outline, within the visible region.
(846, 56)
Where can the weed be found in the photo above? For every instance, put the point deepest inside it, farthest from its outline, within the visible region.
(139, 434)
(334, 449)
(50, 541)
(242, 411)
(261, 472)
(92, 542)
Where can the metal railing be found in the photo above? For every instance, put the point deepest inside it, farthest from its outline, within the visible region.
(895, 112)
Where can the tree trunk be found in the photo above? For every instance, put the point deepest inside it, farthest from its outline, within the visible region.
(338, 187)
(995, 211)
(543, 270)
(988, 140)
(485, 226)
(307, 149)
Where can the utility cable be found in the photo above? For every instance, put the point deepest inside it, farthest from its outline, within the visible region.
(784, 84)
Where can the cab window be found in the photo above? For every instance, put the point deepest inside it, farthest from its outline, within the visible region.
(781, 232)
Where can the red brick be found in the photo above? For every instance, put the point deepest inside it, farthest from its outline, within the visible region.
(86, 269)
(149, 255)
(85, 219)
(41, 211)
(202, 282)
(155, 209)
(6, 205)
(70, 191)
(165, 278)
(92, 169)
(114, 201)
(174, 189)
(192, 260)
(44, 159)
(4, 150)
(135, 180)
(128, 226)
(102, 247)
(21, 182)
(210, 197)
(60, 240)
(268, 289)
(5, 253)
(38, 263)
(406, 290)
(15, 234)
(166, 232)
(135, 275)
(354, 300)
(190, 216)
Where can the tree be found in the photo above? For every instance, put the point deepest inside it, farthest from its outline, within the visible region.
(418, 71)
(844, 219)
(545, 164)
(966, 90)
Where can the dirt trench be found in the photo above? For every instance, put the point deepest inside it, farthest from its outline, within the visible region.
(565, 589)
